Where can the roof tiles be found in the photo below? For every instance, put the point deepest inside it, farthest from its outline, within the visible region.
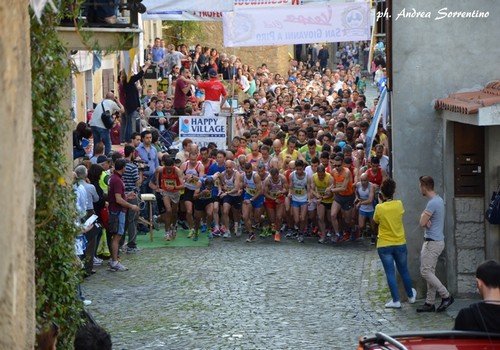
(470, 102)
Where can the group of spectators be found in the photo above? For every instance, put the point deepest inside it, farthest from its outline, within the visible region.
(299, 167)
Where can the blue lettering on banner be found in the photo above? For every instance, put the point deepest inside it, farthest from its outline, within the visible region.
(333, 33)
(265, 36)
(204, 135)
(203, 121)
(207, 129)
(312, 34)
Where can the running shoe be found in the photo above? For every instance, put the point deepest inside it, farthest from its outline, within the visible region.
(336, 238)
(117, 266)
(321, 239)
(183, 224)
(217, 233)
(393, 304)
(277, 236)
(156, 224)
(133, 250)
(289, 233)
(238, 230)
(263, 232)
(251, 238)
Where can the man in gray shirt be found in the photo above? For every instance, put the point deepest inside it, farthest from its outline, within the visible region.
(432, 220)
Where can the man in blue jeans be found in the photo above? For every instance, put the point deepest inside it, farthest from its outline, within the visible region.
(99, 131)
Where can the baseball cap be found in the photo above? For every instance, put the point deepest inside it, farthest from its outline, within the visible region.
(289, 115)
(102, 159)
(212, 72)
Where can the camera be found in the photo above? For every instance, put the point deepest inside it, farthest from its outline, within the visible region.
(142, 165)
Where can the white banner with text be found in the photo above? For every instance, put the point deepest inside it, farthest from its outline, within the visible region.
(157, 6)
(203, 130)
(297, 25)
(200, 12)
(205, 16)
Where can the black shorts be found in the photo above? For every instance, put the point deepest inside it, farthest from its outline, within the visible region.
(327, 206)
(345, 202)
(234, 201)
(188, 195)
(200, 204)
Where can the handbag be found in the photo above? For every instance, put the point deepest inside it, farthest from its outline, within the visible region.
(493, 211)
(104, 214)
(106, 118)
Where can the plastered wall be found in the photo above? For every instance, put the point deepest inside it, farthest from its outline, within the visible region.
(17, 301)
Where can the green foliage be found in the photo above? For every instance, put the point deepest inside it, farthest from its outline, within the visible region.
(56, 273)
(182, 32)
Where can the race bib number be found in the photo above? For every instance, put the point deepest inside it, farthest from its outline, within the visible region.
(274, 194)
(299, 192)
(251, 191)
(206, 195)
(169, 183)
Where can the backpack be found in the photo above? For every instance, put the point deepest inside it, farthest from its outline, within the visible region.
(493, 211)
(106, 118)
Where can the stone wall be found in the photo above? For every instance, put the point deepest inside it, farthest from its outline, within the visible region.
(469, 241)
(17, 299)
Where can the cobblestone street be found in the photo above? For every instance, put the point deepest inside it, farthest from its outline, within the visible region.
(264, 295)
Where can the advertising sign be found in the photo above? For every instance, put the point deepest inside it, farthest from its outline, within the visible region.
(203, 130)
